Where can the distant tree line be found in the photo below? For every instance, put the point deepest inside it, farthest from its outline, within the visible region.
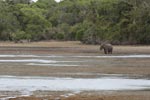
(89, 21)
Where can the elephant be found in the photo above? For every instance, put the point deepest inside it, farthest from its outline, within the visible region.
(108, 48)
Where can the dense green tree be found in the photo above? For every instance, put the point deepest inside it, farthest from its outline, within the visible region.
(89, 21)
(13, 2)
(8, 22)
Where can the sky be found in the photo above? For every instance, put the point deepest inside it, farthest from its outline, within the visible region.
(55, 0)
(58, 0)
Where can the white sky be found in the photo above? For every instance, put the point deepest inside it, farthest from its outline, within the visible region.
(55, 0)
(58, 0)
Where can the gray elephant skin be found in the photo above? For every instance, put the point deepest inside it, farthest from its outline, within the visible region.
(108, 48)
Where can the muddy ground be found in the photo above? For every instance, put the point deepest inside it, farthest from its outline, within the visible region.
(134, 67)
(117, 95)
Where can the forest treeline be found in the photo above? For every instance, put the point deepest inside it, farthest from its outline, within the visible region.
(89, 21)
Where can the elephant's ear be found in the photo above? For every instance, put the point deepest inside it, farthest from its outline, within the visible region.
(102, 43)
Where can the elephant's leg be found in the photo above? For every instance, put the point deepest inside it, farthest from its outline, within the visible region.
(110, 51)
(105, 51)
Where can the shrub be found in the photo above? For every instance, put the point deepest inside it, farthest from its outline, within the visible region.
(60, 36)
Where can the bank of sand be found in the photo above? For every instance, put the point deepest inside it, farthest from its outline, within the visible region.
(131, 67)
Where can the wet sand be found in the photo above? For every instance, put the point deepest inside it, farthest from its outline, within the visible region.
(94, 95)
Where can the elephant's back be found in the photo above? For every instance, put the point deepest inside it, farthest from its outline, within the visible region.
(108, 46)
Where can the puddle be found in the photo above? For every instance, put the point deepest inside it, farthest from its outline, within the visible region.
(34, 61)
(61, 56)
(117, 56)
(30, 84)
(17, 86)
(58, 60)
(28, 61)
(41, 62)
(35, 56)
(59, 65)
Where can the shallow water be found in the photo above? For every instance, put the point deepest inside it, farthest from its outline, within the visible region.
(26, 86)
(59, 60)
(29, 84)
(61, 56)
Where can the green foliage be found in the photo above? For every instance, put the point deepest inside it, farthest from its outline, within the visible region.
(60, 36)
(79, 35)
(32, 21)
(19, 35)
(89, 21)
(8, 22)
(13, 2)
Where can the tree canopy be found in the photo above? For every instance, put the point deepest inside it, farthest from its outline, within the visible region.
(89, 21)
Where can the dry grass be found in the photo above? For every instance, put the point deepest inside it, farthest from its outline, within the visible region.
(72, 47)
